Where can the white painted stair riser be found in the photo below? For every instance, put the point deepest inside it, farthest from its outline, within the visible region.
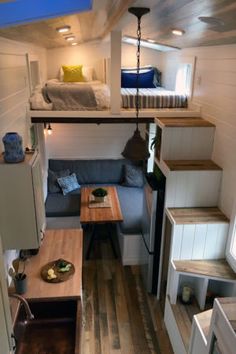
(193, 188)
(187, 143)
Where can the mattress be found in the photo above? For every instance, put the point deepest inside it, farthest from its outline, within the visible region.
(153, 98)
(76, 96)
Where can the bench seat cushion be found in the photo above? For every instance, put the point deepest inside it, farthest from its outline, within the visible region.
(58, 204)
(131, 202)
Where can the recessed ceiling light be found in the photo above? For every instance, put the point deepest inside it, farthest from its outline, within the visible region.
(70, 38)
(63, 29)
(211, 20)
(74, 43)
(177, 32)
(150, 40)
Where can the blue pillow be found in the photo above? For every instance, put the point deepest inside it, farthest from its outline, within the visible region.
(133, 176)
(145, 80)
(68, 183)
(53, 186)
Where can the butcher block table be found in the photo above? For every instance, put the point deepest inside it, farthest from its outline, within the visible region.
(100, 215)
(66, 244)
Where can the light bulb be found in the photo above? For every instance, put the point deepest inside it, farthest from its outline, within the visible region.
(49, 129)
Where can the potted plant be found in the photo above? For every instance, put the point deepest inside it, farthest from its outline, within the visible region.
(99, 194)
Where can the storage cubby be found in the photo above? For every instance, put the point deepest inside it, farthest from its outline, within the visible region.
(214, 277)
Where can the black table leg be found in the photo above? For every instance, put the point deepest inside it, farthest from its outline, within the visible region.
(91, 241)
(111, 239)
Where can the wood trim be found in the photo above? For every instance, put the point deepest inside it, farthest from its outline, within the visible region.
(88, 120)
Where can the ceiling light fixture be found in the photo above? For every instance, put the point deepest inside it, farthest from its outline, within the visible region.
(74, 43)
(49, 129)
(150, 40)
(177, 32)
(136, 147)
(70, 38)
(63, 29)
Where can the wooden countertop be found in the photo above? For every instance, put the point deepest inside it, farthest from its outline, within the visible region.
(66, 244)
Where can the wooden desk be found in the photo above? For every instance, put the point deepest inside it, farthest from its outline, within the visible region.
(66, 244)
(100, 215)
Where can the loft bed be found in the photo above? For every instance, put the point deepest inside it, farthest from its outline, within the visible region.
(82, 96)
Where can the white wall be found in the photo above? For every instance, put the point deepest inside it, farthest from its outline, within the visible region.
(86, 54)
(89, 141)
(147, 56)
(215, 91)
(14, 94)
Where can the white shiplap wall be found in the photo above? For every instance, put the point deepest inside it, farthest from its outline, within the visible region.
(14, 94)
(88, 141)
(92, 55)
(215, 91)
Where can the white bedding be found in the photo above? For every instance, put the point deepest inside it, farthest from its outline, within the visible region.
(101, 92)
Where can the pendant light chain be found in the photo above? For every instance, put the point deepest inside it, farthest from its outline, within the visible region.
(137, 100)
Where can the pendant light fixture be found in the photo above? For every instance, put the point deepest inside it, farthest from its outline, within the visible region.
(136, 147)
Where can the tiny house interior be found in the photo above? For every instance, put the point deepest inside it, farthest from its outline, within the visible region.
(185, 113)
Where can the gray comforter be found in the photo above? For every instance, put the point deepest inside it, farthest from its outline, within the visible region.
(70, 97)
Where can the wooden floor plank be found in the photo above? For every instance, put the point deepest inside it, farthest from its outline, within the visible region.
(117, 310)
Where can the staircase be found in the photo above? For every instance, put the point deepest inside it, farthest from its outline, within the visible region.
(199, 229)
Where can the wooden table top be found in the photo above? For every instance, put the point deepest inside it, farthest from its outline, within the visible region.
(66, 244)
(100, 215)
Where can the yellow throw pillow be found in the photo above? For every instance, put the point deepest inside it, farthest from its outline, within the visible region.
(73, 73)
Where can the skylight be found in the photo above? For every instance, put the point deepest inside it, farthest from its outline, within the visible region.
(149, 44)
(23, 11)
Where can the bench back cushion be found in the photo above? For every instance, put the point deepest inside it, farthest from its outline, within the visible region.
(92, 171)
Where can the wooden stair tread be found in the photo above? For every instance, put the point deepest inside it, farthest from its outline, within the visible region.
(183, 315)
(197, 215)
(179, 122)
(212, 268)
(204, 320)
(192, 165)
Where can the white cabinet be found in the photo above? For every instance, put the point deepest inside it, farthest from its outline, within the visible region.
(22, 217)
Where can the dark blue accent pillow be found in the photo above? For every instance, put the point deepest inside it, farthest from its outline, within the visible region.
(129, 80)
(133, 176)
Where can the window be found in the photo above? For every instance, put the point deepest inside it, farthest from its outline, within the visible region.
(231, 246)
(183, 79)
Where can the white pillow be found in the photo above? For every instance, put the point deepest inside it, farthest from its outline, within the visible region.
(87, 72)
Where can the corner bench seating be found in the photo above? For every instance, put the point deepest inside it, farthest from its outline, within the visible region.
(100, 173)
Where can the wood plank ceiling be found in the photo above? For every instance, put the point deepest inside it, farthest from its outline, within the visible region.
(157, 25)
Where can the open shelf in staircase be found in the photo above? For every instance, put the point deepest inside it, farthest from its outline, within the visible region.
(207, 279)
